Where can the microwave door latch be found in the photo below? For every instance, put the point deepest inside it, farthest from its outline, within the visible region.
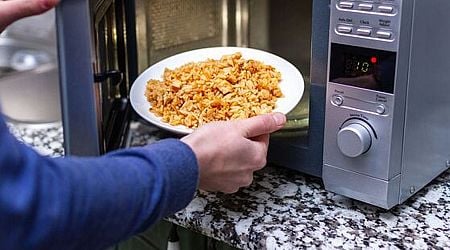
(115, 76)
(112, 86)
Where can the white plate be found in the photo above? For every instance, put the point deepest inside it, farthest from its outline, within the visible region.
(291, 84)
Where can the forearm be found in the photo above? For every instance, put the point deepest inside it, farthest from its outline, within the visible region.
(90, 202)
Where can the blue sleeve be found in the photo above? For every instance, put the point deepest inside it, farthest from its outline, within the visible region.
(89, 203)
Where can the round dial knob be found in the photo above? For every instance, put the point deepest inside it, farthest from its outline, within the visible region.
(354, 139)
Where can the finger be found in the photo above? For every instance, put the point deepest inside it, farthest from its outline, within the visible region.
(248, 180)
(230, 190)
(262, 124)
(262, 139)
(261, 145)
(11, 11)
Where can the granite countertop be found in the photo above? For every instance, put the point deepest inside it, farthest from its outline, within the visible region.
(284, 209)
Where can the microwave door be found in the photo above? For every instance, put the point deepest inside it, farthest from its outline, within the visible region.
(96, 66)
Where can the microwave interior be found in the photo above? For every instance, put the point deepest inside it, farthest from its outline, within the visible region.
(165, 28)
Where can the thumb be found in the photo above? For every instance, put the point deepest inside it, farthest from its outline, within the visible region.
(261, 125)
(13, 10)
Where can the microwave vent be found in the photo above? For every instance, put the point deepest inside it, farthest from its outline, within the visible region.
(176, 22)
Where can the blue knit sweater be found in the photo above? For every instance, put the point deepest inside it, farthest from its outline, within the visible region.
(89, 203)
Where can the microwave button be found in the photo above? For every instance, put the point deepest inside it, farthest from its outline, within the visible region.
(385, 9)
(381, 109)
(346, 5)
(364, 31)
(384, 34)
(365, 6)
(344, 29)
(337, 100)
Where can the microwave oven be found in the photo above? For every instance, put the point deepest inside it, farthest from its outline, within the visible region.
(374, 121)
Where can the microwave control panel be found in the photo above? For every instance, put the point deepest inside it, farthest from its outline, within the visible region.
(366, 23)
(385, 99)
(363, 45)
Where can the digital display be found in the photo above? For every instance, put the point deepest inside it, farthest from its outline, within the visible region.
(362, 67)
(359, 65)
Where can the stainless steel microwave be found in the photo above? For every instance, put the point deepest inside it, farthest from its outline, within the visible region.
(374, 122)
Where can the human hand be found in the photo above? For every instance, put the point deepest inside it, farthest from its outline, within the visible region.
(13, 10)
(229, 152)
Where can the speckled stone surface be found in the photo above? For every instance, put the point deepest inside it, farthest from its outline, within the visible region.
(47, 139)
(283, 209)
(287, 210)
